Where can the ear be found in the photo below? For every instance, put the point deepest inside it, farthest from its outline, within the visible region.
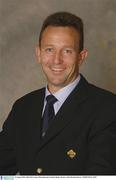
(37, 53)
(83, 55)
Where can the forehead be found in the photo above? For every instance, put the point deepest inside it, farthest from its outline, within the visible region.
(61, 33)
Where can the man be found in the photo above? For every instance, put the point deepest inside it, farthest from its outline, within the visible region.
(69, 127)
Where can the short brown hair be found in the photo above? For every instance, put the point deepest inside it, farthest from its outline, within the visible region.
(64, 19)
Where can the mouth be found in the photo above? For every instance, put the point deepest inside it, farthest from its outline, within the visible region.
(57, 70)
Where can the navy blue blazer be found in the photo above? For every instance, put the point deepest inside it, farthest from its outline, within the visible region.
(80, 141)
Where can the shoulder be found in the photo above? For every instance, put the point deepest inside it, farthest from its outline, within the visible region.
(101, 95)
(30, 98)
(101, 102)
(102, 105)
(100, 91)
(97, 93)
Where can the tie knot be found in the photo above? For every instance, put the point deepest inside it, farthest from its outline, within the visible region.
(51, 99)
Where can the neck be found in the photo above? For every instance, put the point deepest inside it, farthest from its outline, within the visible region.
(54, 88)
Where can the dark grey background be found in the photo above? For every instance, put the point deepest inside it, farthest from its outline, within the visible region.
(20, 22)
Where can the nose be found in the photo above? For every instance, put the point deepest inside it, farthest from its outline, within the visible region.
(58, 58)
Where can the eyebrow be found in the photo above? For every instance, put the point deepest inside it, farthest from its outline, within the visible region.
(65, 46)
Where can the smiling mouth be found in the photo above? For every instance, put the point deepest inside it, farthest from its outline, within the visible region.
(57, 70)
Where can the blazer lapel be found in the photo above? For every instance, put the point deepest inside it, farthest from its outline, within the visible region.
(64, 116)
(35, 116)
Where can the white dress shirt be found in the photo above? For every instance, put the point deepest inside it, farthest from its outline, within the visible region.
(61, 95)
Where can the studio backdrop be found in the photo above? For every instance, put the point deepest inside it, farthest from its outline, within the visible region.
(20, 23)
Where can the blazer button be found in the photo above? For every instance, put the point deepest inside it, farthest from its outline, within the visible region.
(39, 170)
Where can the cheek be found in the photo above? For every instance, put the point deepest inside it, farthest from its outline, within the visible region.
(72, 63)
(45, 59)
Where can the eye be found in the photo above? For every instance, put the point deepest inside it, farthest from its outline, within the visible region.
(49, 50)
(68, 51)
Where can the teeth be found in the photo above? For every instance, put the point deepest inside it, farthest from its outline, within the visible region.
(56, 69)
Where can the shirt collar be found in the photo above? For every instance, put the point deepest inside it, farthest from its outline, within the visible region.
(63, 93)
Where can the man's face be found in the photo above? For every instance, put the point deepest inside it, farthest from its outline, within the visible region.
(59, 56)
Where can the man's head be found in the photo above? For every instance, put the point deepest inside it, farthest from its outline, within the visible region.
(60, 51)
(64, 19)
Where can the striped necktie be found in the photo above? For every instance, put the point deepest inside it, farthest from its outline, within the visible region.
(48, 114)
